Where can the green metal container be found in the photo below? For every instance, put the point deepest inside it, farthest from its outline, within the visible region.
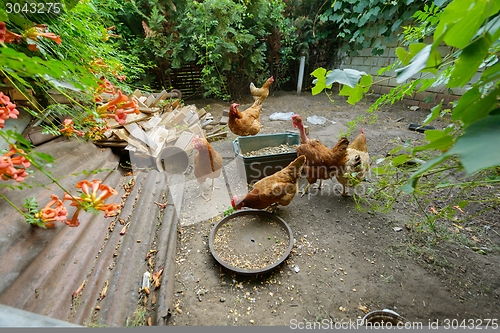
(255, 168)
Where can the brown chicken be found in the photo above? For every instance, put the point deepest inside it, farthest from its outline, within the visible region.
(322, 162)
(277, 189)
(260, 94)
(246, 122)
(357, 165)
(207, 164)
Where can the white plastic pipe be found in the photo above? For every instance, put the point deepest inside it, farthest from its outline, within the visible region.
(301, 74)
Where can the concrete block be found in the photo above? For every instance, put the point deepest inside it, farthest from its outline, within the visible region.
(357, 61)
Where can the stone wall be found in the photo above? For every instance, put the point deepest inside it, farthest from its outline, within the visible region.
(369, 63)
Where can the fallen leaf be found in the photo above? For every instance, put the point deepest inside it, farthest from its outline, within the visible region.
(112, 226)
(79, 289)
(161, 205)
(433, 210)
(458, 208)
(150, 253)
(397, 229)
(124, 229)
(146, 289)
(428, 259)
(104, 290)
(476, 239)
(363, 308)
(156, 277)
(150, 321)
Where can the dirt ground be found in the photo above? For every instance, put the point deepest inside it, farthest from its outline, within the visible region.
(345, 261)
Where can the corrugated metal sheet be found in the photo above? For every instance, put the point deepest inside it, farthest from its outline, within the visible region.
(40, 269)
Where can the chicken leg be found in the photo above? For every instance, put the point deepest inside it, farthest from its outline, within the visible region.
(201, 194)
(213, 190)
(306, 189)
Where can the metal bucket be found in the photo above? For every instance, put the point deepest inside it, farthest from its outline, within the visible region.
(383, 318)
(173, 160)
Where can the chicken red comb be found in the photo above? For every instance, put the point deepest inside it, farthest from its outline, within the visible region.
(234, 200)
(296, 119)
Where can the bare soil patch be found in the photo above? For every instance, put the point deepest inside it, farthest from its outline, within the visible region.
(345, 261)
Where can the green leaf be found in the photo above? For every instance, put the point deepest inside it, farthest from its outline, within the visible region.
(320, 81)
(398, 160)
(413, 180)
(461, 19)
(395, 150)
(490, 74)
(443, 142)
(356, 94)
(410, 186)
(417, 63)
(406, 56)
(466, 102)
(475, 107)
(346, 76)
(469, 61)
(477, 148)
(366, 82)
(435, 111)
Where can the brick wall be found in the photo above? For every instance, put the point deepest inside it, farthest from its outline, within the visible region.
(371, 64)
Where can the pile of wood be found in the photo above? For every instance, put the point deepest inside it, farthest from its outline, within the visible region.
(163, 121)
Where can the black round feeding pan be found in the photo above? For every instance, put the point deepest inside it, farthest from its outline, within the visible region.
(251, 241)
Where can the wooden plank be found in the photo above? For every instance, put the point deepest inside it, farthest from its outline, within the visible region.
(176, 120)
(140, 101)
(158, 135)
(108, 97)
(217, 136)
(167, 117)
(151, 123)
(137, 93)
(161, 96)
(148, 110)
(124, 135)
(151, 98)
(192, 118)
(117, 144)
(171, 135)
(196, 129)
(223, 120)
(201, 113)
(185, 141)
(217, 130)
(139, 134)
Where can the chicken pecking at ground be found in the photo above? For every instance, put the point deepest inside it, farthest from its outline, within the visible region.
(322, 162)
(276, 189)
(357, 165)
(260, 94)
(246, 122)
(207, 164)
